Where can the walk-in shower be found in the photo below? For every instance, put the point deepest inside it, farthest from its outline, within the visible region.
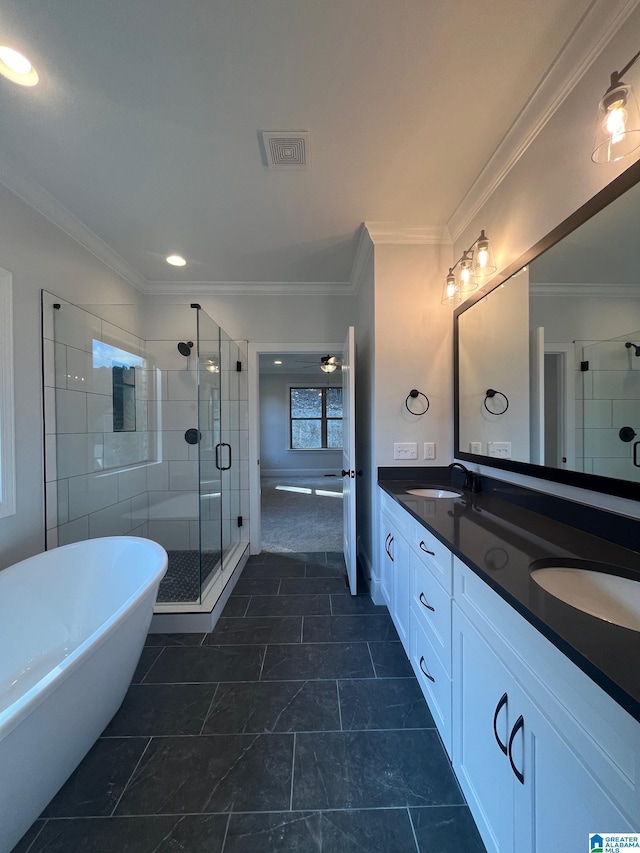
(141, 441)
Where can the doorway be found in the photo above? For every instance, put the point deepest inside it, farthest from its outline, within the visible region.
(296, 447)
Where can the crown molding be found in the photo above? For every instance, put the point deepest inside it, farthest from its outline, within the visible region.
(249, 288)
(35, 195)
(600, 290)
(383, 233)
(599, 24)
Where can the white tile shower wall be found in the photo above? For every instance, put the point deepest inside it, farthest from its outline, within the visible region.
(97, 480)
(608, 398)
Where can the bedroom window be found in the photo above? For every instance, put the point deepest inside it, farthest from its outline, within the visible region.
(315, 418)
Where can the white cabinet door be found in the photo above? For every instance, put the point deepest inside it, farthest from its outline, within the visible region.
(557, 802)
(401, 588)
(482, 720)
(387, 530)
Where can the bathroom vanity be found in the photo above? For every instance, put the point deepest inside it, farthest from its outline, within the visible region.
(536, 701)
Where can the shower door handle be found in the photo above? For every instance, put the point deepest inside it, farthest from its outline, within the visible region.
(218, 465)
(636, 461)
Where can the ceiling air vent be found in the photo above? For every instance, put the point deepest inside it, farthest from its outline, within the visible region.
(285, 149)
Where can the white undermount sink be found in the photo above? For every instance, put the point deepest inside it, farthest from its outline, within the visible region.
(613, 598)
(434, 492)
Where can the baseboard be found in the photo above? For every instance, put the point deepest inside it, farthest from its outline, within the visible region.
(198, 622)
(300, 472)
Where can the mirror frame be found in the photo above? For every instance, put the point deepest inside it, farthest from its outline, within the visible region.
(593, 482)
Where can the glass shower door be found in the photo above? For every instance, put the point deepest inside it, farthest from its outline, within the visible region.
(611, 411)
(232, 442)
(210, 452)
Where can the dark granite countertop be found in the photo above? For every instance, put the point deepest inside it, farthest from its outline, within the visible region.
(499, 540)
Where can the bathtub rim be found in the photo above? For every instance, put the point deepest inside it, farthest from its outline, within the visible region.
(24, 705)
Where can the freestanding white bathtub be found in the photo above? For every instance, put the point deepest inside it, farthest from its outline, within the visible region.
(73, 622)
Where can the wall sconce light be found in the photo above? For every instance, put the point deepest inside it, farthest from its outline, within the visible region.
(475, 262)
(618, 124)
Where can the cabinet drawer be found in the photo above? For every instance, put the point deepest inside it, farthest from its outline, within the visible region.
(434, 680)
(432, 606)
(396, 513)
(436, 556)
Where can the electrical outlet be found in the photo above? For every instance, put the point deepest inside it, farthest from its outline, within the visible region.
(405, 450)
(429, 450)
(500, 449)
(475, 447)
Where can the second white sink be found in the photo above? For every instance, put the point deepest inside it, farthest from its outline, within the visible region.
(612, 598)
(434, 492)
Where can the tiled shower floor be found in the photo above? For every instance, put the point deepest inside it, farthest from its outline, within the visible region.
(182, 581)
(296, 725)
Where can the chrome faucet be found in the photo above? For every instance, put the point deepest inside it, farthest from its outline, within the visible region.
(471, 480)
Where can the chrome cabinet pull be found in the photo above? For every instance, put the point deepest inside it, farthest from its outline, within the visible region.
(503, 701)
(519, 724)
(424, 548)
(424, 671)
(424, 603)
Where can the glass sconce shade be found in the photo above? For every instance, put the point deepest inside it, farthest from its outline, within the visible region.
(618, 125)
(465, 280)
(450, 292)
(484, 263)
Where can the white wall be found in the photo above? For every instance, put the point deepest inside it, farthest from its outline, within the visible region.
(276, 458)
(39, 255)
(551, 179)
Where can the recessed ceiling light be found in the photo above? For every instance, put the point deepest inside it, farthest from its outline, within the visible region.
(176, 260)
(16, 67)
(277, 362)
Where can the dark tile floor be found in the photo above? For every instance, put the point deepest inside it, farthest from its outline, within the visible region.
(296, 725)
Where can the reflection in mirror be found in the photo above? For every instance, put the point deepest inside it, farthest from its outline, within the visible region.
(559, 339)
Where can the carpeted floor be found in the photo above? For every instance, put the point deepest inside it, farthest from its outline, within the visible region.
(301, 514)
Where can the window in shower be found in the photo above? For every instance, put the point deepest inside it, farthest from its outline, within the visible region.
(7, 451)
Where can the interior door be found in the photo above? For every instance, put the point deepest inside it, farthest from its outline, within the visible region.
(349, 457)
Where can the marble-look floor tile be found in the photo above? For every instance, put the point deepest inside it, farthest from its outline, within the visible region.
(206, 664)
(353, 831)
(383, 703)
(276, 706)
(174, 639)
(236, 605)
(148, 657)
(325, 570)
(372, 769)
(289, 605)
(390, 660)
(211, 773)
(157, 834)
(346, 628)
(446, 829)
(94, 787)
(255, 630)
(162, 709)
(313, 586)
(26, 842)
(355, 604)
(281, 569)
(256, 586)
(316, 661)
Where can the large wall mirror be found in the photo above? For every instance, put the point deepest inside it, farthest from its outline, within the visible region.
(547, 358)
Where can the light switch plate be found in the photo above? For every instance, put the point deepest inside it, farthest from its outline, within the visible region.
(500, 449)
(405, 450)
(475, 447)
(429, 450)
